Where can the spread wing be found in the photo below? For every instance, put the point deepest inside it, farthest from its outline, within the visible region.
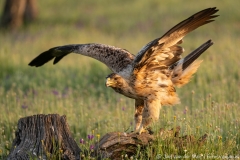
(166, 50)
(115, 58)
(157, 61)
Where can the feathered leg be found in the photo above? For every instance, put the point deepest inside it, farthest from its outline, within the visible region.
(139, 105)
(150, 113)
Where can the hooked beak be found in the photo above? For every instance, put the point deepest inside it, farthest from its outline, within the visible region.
(109, 83)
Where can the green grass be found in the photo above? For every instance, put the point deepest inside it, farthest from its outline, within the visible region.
(75, 87)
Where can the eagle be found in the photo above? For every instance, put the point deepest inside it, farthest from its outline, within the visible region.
(150, 76)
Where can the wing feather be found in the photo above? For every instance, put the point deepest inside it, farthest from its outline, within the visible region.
(183, 70)
(172, 38)
(116, 59)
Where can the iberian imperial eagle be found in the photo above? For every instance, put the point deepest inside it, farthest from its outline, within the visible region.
(151, 76)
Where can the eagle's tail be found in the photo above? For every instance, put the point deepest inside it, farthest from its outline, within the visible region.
(186, 67)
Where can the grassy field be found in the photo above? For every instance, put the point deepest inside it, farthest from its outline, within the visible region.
(75, 87)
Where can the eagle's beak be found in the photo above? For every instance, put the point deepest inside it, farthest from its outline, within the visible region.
(109, 82)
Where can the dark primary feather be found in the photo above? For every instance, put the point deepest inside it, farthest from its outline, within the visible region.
(65, 50)
(57, 59)
(41, 59)
(57, 52)
(191, 57)
(195, 54)
(201, 18)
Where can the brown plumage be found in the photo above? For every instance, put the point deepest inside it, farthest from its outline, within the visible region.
(150, 77)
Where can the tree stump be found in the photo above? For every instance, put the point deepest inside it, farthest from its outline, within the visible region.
(45, 136)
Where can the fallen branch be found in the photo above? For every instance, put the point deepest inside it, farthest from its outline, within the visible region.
(117, 145)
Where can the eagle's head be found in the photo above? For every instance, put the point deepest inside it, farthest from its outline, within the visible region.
(114, 80)
(119, 84)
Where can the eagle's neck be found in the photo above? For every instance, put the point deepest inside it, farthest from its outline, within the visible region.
(126, 72)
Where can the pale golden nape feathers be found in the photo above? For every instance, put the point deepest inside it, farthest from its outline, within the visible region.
(181, 77)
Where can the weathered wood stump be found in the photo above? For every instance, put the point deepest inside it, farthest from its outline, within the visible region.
(49, 137)
(45, 136)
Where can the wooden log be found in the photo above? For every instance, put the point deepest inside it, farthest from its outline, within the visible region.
(45, 136)
(117, 145)
(113, 145)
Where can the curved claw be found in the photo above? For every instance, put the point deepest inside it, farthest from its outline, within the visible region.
(142, 130)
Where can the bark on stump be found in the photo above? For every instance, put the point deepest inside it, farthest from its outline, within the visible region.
(45, 136)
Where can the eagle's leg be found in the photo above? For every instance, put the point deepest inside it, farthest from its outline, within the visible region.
(139, 105)
(150, 113)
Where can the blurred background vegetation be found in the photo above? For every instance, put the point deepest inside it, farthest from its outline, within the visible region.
(75, 86)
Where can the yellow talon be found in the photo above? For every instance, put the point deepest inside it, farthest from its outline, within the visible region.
(142, 130)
